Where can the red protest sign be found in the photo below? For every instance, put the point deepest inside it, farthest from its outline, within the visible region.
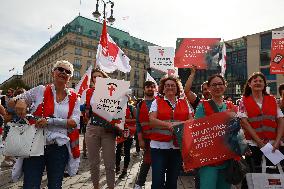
(204, 141)
(277, 53)
(201, 52)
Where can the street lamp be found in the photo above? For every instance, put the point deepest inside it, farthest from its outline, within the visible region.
(97, 14)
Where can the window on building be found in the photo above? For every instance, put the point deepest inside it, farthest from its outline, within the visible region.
(273, 88)
(266, 72)
(126, 43)
(79, 29)
(90, 54)
(77, 74)
(79, 42)
(136, 74)
(89, 62)
(78, 51)
(266, 41)
(77, 62)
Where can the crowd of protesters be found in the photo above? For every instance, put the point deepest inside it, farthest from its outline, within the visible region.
(149, 121)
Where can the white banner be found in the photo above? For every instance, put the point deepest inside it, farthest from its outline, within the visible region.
(161, 58)
(110, 99)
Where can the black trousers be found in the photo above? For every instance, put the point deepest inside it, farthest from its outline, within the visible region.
(127, 146)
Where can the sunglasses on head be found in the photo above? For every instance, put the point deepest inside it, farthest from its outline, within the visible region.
(63, 70)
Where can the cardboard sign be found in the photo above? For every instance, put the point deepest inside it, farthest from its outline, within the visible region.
(161, 58)
(201, 52)
(203, 141)
(110, 99)
(277, 53)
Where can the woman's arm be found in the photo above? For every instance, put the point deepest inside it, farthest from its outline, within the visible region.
(247, 127)
(156, 123)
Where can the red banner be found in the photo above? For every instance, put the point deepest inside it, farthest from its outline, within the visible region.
(201, 52)
(204, 141)
(277, 53)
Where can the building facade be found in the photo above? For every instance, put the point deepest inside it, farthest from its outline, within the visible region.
(245, 55)
(77, 42)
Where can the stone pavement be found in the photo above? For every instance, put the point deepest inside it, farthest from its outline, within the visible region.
(83, 181)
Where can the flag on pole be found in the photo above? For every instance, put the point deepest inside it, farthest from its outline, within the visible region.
(12, 69)
(84, 83)
(109, 56)
(150, 78)
(222, 62)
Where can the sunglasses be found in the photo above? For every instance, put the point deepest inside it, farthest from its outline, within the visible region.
(68, 72)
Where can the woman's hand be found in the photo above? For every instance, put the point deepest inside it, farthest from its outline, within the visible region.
(21, 108)
(275, 145)
(41, 123)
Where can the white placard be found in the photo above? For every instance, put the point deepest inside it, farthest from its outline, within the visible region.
(110, 99)
(161, 58)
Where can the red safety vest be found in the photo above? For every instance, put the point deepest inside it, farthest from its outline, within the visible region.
(46, 109)
(144, 120)
(166, 113)
(263, 120)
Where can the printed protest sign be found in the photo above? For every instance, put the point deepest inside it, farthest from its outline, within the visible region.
(204, 141)
(110, 99)
(161, 58)
(201, 52)
(277, 53)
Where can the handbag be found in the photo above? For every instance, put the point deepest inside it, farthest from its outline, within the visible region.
(236, 171)
(24, 140)
(265, 180)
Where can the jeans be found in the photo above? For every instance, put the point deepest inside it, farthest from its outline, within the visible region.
(55, 159)
(165, 163)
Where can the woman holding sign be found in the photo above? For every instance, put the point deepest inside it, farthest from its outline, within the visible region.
(99, 135)
(165, 112)
(262, 119)
(212, 176)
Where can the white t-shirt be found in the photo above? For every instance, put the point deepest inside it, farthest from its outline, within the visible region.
(158, 144)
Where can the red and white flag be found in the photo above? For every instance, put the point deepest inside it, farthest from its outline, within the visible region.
(150, 78)
(84, 83)
(222, 62)
(109, 56)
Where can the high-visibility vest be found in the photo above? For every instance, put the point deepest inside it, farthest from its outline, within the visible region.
(262, 120)
(167, 113)
(144, 120)
(46, 109)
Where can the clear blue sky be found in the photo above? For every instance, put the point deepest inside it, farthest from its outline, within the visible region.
(24, 24)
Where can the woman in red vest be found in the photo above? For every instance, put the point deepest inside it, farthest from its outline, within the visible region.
(212, 176)
(166, 111)
(262, 119)
(99, 136)
(58, 110)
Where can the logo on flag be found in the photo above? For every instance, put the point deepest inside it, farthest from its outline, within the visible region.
(84, 83)
(111, 88)
(161, 51)
(109, 56)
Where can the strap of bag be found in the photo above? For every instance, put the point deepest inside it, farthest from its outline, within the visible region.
(213, 105)
(263, 166)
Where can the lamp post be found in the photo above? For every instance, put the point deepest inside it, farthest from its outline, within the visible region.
(97, 14)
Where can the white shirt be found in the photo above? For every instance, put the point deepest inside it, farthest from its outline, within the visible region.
(158, 144)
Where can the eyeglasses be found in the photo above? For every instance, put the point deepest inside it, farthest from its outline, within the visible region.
(68, 72)
(217, 84)
(172, 86)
